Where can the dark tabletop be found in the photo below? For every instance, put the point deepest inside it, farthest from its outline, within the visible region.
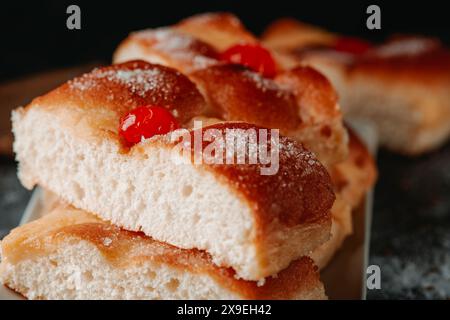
(410, 231)
(411, 226)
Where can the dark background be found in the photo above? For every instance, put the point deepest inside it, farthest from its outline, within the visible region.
(34, 34)
(411, 222)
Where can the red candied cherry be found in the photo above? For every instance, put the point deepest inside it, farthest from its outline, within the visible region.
(352, 45)
(146, 121)
(253, 56)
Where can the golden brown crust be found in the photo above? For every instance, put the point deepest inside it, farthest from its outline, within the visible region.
(418, 60)
(238, 94)
(299, 193)
(110, 92)
(355, 176)
(341, 215)
(401, 59)
(91, 105)
(123, 248)
(193, 43)
(288, 34)
(316, 98)
(300, 273)
(244, 95)
(352, 179)
(410, 73)
(197, 59)
(178, 50)
(220, 29)
(299, 102)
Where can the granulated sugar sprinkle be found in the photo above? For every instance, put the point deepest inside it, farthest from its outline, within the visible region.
(140, 81)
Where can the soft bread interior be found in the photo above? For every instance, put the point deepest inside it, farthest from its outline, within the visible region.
(411, 118)
(78, 271)
(70, 254)
(176, 203)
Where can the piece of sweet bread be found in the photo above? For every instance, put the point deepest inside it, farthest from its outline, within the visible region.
(401, 85)
(300, 102)
(67, 141)
(71, 254)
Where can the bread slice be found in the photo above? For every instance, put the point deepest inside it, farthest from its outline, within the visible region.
(67, 142)
(300, 102)
(354, 177)
(352, 180)
(193, 43)
(341, 228)
(289, 35)
(401, 85)
(341, 225)
(220, 29)
(71, 254)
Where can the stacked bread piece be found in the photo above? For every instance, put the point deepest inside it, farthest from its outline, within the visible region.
(71, 254)
(249, 226)
(401, 85)
(146, 221)
(297, 100)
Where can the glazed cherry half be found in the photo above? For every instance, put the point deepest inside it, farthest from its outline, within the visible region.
(252, 56)
(146, 122)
